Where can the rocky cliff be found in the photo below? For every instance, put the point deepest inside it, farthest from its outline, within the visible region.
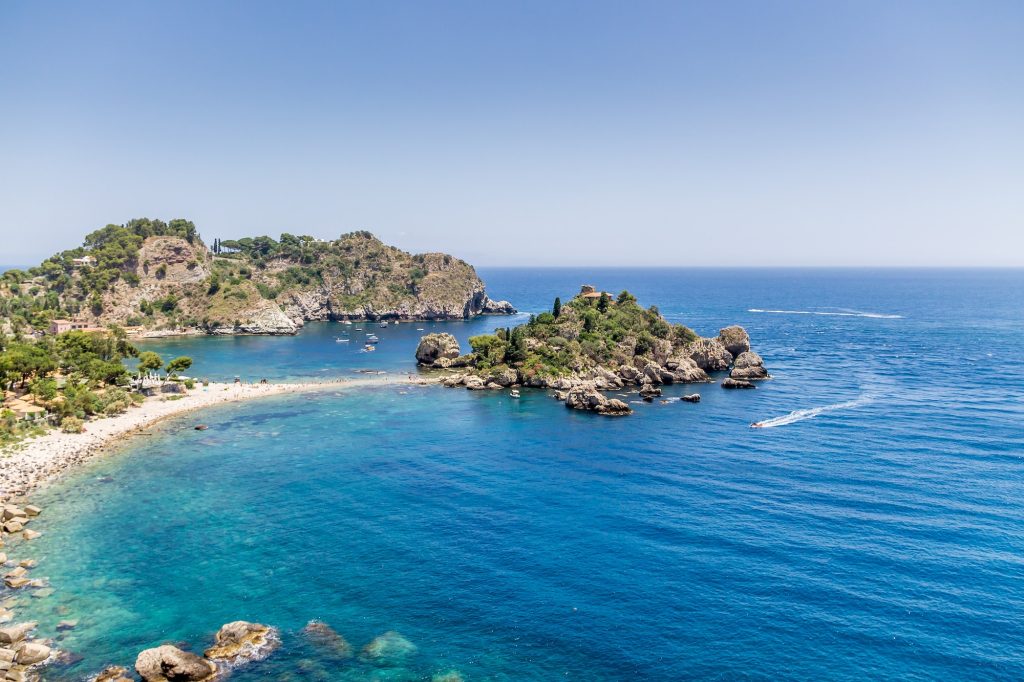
(165, 280)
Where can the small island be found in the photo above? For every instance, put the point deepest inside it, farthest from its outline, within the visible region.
(595, 342)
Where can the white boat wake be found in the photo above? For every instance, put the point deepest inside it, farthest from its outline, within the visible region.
(846, 313)
(810, 413)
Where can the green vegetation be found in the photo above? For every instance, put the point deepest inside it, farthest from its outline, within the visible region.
(75, 280)
(581, 334)
(67, 378)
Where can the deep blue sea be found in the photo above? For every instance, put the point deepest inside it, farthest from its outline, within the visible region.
(875, 532)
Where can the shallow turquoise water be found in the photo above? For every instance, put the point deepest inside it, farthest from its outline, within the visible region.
(880, 538)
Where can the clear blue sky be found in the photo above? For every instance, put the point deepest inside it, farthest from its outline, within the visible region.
(548, 133)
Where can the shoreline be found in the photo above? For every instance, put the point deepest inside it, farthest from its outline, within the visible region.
(31, 464)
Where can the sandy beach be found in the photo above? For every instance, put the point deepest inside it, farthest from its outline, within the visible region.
(31, 463)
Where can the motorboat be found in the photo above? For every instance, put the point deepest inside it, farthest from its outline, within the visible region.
(372, 338)
(513, 393)
(341, 339)
(383, 324)
(369, 348)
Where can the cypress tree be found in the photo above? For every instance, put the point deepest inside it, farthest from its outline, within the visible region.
(556, 310)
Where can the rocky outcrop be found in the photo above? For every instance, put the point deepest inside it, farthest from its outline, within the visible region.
(691, 398)
(170, 664)
(749, 366)
(324, 636)
(685, 370)
(242, 640)
(435, 347)
(737, 383)
(497, 308)
(735, 339)
(585, 396)
(263, 318)
(709, 355)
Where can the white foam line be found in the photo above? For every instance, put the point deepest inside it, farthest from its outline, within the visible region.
(881, 316)
(811, 412)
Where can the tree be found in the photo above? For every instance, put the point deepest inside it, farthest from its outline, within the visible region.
(602, 304)
(556, 310)
(149, 362)
(179, 364)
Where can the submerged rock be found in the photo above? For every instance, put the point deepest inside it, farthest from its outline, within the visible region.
(449, 676)
(242, 640)
(749, 366)
(434, 347)
(389, 646)
(170, 664)
(324, 636)
(737, 383)
(114, 673)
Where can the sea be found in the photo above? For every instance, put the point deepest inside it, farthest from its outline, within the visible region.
(874, 529)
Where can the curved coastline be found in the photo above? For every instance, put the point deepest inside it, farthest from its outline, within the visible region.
(27, 466)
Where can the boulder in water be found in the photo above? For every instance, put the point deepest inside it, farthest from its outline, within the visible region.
(242, 640)
(749, 366)
(692, 398)
(737, 383)
(434, 347)
(170, 664)
(585, 396)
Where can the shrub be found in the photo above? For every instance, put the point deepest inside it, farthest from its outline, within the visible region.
(189, 384)
(72, 425)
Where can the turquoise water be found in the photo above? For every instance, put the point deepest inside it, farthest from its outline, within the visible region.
(877, 531)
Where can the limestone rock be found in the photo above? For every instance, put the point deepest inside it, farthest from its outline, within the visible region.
(497, 307)
(33, 510)
(170, 664)
(585, 396)
(735, 339)
(31, 653)
(474, 383)
(648, 391)
(710, 355)
(749, 366)
(629, 373)
(325, 637)
(12, 634)
(31, 534)
(692, 398)
(737, 383)
(242, 640)
(434, 347)
(685, 370)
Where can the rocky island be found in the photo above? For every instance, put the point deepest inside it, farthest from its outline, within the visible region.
(595, 342)
(159, 278)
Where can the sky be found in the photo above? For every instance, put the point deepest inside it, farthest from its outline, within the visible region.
(545, 133)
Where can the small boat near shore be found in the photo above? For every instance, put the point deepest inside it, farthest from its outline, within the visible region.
(514, 393)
